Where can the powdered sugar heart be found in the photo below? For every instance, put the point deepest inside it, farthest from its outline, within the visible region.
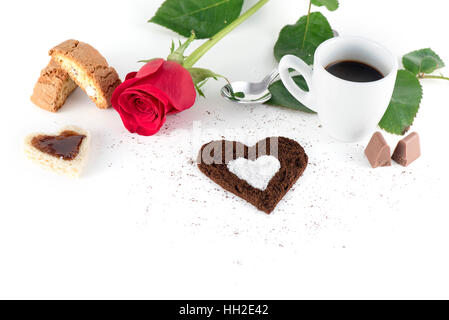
(215, 156)
(257, 173)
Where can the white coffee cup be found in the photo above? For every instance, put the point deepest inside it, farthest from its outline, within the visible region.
(348, 110)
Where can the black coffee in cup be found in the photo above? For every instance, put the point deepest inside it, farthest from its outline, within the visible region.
(354, 71)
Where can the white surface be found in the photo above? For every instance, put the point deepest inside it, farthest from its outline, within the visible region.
(144, 223)
(349, 111)
(257, 173)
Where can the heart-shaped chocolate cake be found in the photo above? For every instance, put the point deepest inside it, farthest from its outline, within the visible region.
(262, 174)
(64, 153)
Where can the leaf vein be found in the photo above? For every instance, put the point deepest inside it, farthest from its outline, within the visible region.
(187, 14)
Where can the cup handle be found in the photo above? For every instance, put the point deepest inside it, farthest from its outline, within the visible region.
(292, 62)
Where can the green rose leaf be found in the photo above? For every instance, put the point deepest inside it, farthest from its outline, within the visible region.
(331, 5)
(281, 97)
(291, 38)
(422, 61)
(149, 60)
(204, 17)
(200, 74)
(404, 104)
(200, 77)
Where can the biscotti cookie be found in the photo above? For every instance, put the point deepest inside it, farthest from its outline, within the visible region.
(261, 175)
(53, 88)
(65, 153)
(89, 69)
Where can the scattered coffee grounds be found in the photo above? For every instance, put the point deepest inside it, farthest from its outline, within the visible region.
(378, 152)
(408, 150)
(214, 157)
(65, 146)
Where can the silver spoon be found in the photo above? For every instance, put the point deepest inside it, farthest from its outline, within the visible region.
(243, 92)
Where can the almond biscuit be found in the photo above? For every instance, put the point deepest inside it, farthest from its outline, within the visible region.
(53, 88)
(89, 69)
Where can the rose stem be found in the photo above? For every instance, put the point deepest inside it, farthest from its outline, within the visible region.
(307, 25)
(201, 51)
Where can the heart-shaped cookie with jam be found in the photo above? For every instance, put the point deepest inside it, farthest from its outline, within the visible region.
(261, 174)
(65, 153)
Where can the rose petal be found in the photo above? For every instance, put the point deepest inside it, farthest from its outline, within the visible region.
(119, 90)
(152, 127)
(147, 118)
(130, 76)
(129, 121)
(150, 90)
(176, 83)
(150, 68)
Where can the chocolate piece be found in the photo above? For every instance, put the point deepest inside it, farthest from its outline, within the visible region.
(408, 150)
(65, 146)
(378, 152)
(214, 158)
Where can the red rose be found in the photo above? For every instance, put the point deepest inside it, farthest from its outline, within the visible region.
(146, 97)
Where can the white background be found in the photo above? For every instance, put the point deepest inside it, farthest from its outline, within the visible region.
(143, 222)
